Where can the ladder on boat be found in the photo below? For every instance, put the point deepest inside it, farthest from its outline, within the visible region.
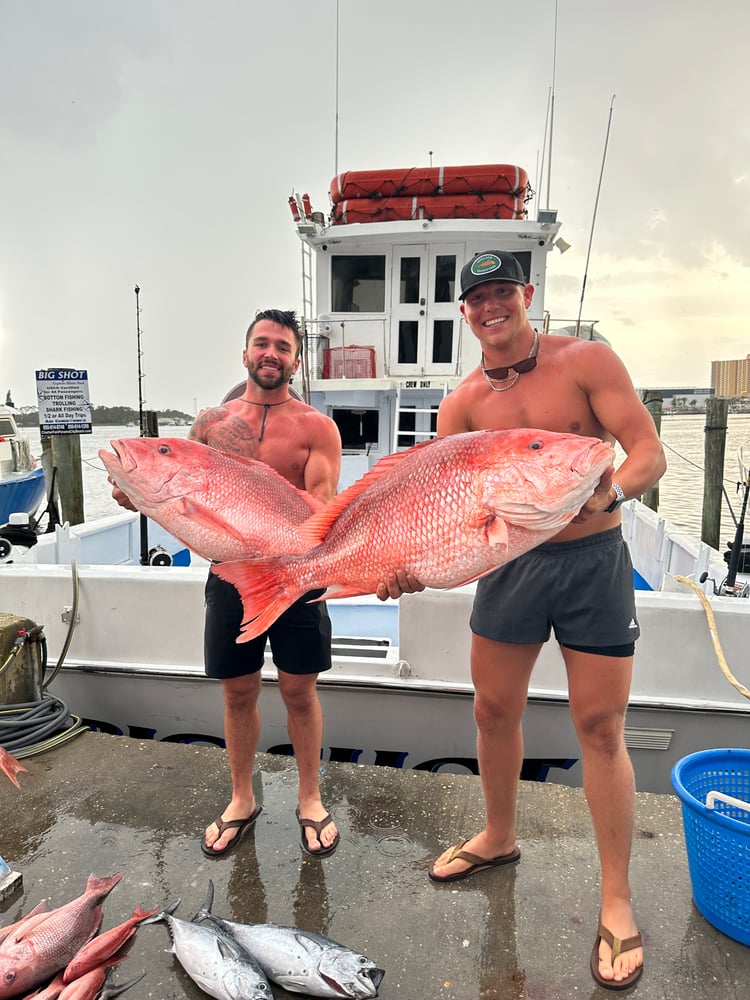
(415, 435)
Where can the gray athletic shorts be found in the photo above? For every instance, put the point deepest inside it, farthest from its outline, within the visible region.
(583, 589)
(300, 638)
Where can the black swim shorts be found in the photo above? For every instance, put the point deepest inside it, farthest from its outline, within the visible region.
(583, 589)
(300, 638)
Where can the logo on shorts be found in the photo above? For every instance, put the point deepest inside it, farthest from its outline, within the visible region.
(633, 623)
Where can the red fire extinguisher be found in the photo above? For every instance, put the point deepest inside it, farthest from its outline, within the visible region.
(294, 209)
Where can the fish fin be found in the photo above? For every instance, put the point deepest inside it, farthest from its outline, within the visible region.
(262, 586)
(315, 528)
(10, 766)
(204, 912)
(339, 590)
(497, 533)
(200, 512)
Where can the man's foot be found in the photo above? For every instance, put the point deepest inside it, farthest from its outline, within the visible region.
(472, 856)
(318, 833)
(617, 957)
(225, 834)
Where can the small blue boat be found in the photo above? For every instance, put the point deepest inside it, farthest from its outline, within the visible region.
(22, 485)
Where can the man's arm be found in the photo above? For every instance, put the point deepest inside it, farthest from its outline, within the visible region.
(323, 465)
(619, 410)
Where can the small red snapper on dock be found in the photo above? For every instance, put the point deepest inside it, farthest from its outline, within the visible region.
(48, 941)
(221, 506)
(448, 511)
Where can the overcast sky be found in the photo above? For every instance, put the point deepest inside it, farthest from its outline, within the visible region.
(157, 141)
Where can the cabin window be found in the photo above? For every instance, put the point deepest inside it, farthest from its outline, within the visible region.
(409, 283)
(408, 336)
(445, 278)
(358, 283)
(358, 428)
(442, 341)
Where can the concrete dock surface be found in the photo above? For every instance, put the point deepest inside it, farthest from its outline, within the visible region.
(105, 804)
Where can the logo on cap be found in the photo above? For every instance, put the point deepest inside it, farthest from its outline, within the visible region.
(485, 263)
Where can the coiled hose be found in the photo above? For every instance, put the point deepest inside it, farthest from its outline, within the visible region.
(33, 727)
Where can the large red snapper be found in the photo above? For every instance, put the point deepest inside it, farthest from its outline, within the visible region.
(47, 943)
(448, 511)
(220, 506)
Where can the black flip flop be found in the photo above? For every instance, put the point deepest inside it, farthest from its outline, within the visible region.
(240, 825)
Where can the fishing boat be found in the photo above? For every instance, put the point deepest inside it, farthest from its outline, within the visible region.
(383, 346)
(22, 485)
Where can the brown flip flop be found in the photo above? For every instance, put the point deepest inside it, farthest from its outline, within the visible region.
(318, 826)
(240, 825)
(478, 864)
(618, 946)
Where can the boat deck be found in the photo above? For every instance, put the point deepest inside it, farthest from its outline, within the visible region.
(104, 804)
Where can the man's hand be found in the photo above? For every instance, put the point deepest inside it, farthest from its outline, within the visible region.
(120, 496)
(599, 500)
(398, 583)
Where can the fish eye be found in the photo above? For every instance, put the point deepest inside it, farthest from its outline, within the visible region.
(536, 445)
(9, 977)
(163, 449)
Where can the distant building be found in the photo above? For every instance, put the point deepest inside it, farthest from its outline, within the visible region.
(731, 379)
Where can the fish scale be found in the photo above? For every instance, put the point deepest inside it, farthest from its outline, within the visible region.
(447, 511)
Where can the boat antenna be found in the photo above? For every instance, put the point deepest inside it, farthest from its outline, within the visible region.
(140, 355)
(593, 220)
(336, 85)
(540, 156)
(552, 106)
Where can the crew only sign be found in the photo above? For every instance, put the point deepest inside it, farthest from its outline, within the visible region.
(63, 396)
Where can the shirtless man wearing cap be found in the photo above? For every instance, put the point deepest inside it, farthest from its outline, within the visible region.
(573, 386)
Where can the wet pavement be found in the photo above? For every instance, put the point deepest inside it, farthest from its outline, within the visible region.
(104, 804)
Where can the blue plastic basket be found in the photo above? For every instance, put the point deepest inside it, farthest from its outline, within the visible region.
(718, 839)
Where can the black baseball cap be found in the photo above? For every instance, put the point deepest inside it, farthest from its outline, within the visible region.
(491, 265)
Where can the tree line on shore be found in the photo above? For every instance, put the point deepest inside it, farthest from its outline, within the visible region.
(103, 416)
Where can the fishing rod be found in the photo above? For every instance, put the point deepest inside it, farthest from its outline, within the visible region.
(729, 587)
(593, 220)
(143, 523)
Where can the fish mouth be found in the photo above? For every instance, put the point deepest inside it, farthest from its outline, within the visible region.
(127, 461)
(596, 453)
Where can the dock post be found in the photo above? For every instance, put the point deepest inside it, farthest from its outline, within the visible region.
(652, 400)
(63, 452)
(717, 410)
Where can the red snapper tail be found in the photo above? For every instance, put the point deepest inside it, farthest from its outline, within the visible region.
(266, 592)
(10, 766)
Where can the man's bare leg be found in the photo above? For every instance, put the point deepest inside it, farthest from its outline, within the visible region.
(500, 673)
(305, 726)
(241, 734)
(599, 687)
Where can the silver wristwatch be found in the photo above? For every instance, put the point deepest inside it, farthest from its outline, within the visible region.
(618, 501)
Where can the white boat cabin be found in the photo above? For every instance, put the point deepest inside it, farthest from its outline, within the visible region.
(384, 336)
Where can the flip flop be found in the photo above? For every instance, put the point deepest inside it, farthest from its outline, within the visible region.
(618, 946)
(318, 826)
(240, 825)
(478, 864)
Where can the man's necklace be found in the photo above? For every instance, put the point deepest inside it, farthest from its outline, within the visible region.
(518, 369)
(266, 408)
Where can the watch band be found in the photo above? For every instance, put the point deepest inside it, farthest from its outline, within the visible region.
(618, 500)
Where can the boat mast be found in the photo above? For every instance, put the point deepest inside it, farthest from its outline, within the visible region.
(336, 86)
(593, 220)
(552, 107)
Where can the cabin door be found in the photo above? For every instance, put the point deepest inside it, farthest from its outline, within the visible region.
(424, 313)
